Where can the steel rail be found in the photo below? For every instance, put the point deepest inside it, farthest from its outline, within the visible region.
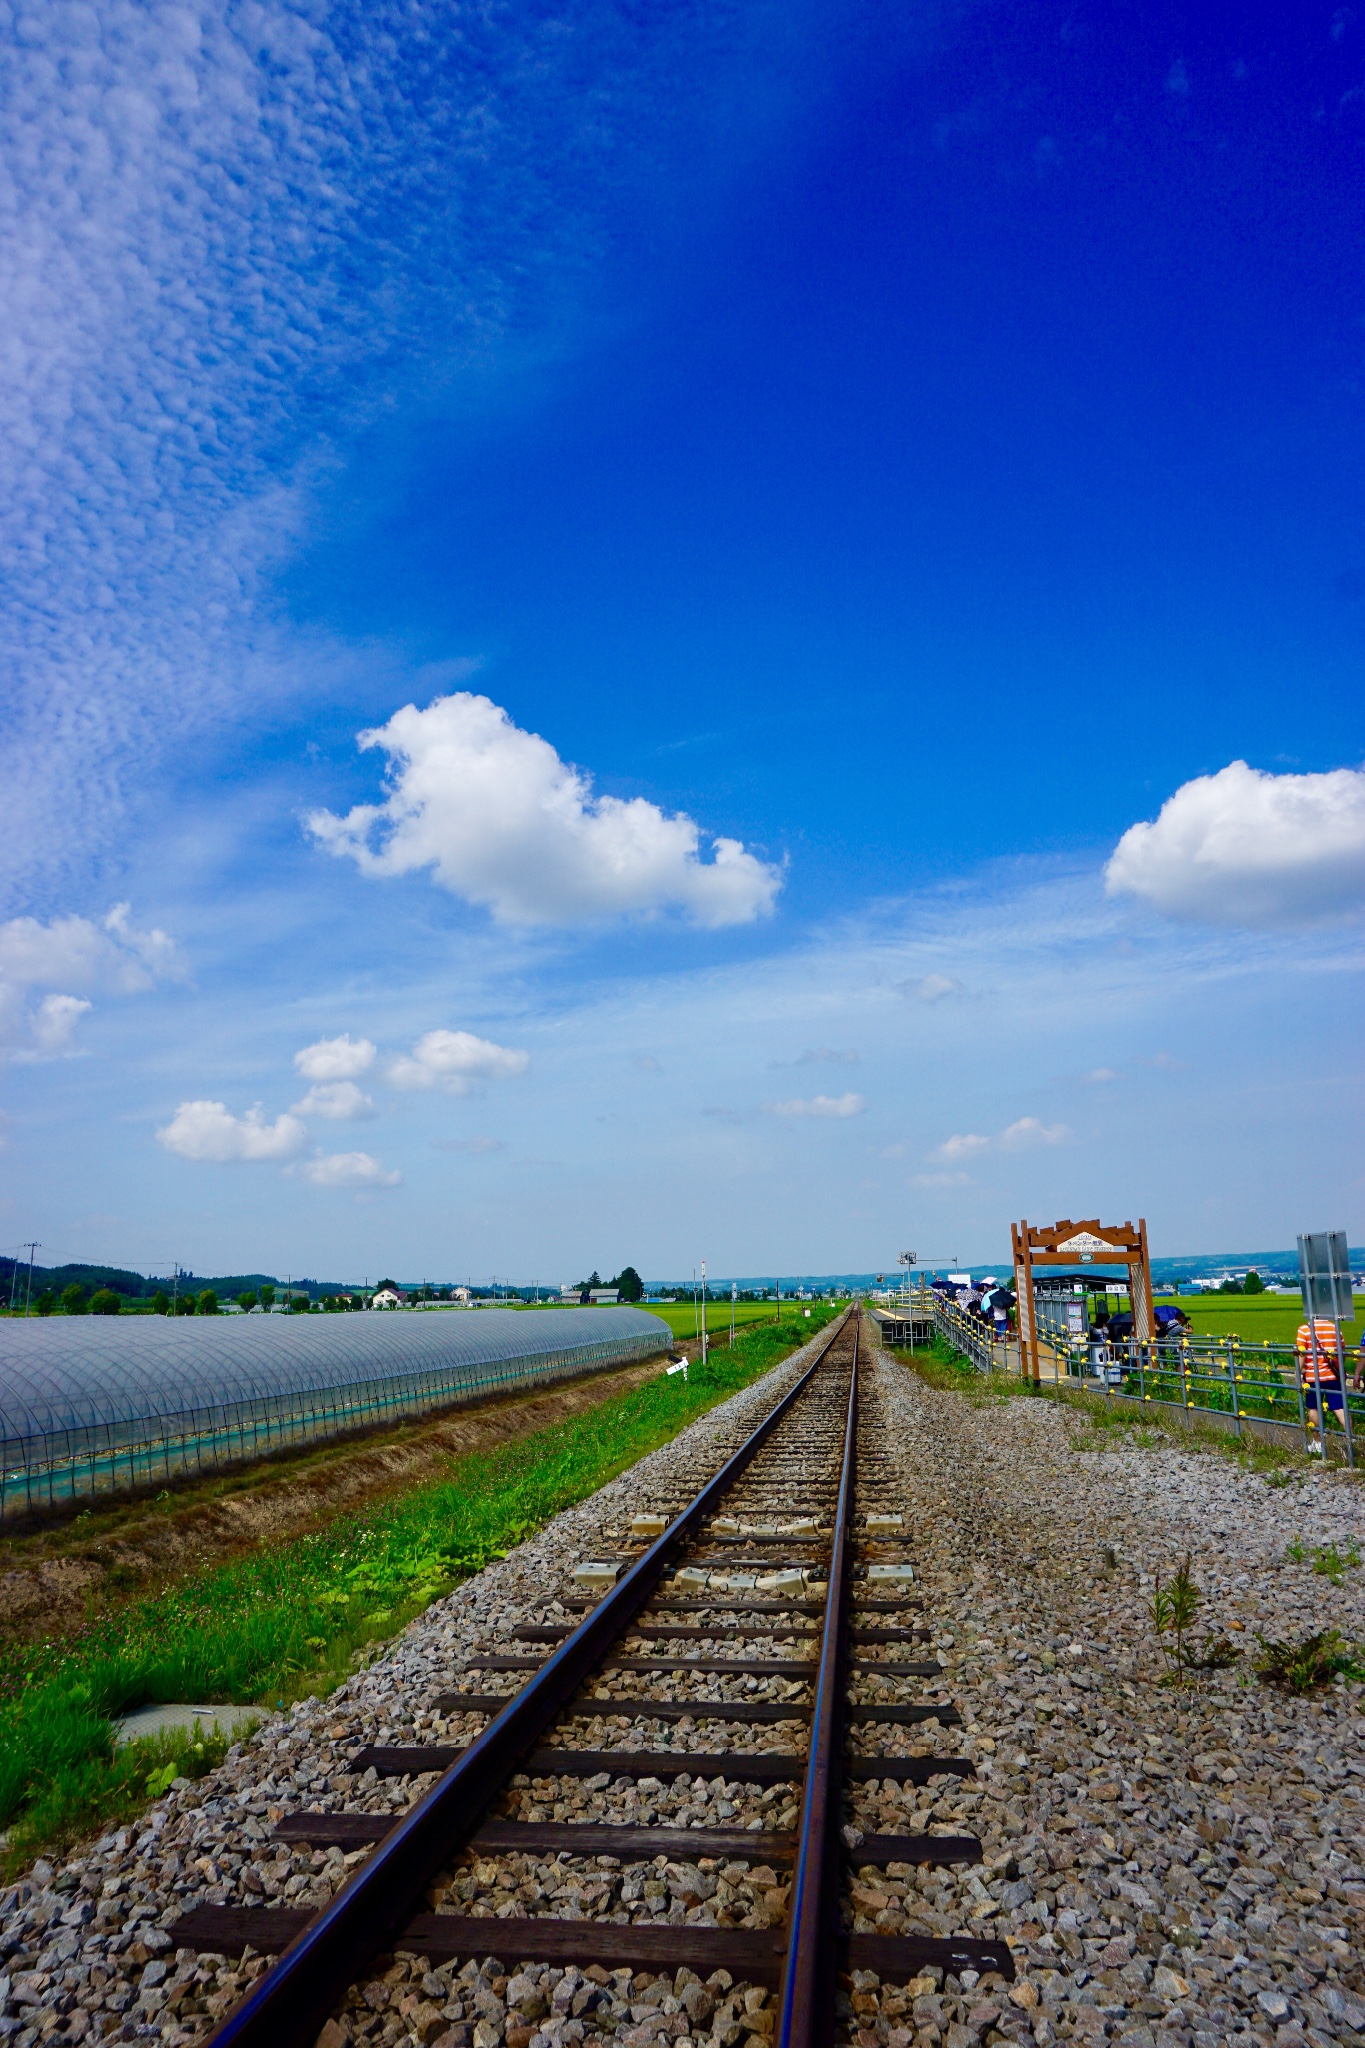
(290, 2003)
(809, 1981)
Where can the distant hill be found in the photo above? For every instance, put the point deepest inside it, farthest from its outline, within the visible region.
(57, 1277)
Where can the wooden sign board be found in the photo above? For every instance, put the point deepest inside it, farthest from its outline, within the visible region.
(1086, 1243)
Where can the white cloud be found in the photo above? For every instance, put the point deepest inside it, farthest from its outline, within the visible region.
(819, 1105)
(335, 1059)
(1029, 1131)
(504, 823)
(1101, 1074)
(74, 952)
(55, 1021)
(963, 1146)
(1243, 847)
(932, 988)
(1018, 1137)
(340, 1100)
(346, 1170)
(208, 1130)
(454, 1060)
(64, 954)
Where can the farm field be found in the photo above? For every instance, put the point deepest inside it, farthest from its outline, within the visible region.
(1255, 1318)
(681, 1316)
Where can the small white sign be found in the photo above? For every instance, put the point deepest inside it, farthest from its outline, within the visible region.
(1086, 1241)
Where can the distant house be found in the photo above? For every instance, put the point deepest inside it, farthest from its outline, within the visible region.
(461, 1294)
(603, 1296)
(569, 1294)
(386, 1298)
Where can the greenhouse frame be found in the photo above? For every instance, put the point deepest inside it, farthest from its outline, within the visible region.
(115, 1404)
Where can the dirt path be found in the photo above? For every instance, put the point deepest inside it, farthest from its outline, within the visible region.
(50, 1578)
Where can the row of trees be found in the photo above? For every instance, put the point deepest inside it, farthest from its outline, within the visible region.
(628, 1281)
(76, 1300)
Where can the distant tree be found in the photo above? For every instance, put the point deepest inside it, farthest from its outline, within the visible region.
(246, 1300)
(267, 1296)
(73, 1299)
(104, 1302)
(1253, 1284)
(46, 1301)
(208, 1303)
(299, 1304)
(161, 1302)
(630, 1284)
(1231, 1287)
(380, 1285)
(184, 1304)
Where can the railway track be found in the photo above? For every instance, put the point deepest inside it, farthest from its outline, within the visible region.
(779, 1598)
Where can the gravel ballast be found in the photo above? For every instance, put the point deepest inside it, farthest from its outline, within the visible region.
(1172, 1866)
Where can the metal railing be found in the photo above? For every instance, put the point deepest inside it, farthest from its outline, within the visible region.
(1229, 1377)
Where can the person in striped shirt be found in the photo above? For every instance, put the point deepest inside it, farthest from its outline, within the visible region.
(1320, 1372)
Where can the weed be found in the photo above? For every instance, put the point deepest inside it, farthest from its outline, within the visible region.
(1174, 1608)
(1295, 1552)
(1331, 1563)
(1308, 1666)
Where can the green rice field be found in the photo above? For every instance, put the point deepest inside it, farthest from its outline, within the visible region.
(682, 1317)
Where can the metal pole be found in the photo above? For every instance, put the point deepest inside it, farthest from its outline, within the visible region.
(703, 1311)
(29, 1296)
(1232, 1389)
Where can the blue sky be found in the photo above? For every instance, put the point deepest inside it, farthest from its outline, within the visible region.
(840, 533)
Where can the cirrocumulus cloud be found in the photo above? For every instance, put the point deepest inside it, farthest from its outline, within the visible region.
(503, 822)
(1243, 847)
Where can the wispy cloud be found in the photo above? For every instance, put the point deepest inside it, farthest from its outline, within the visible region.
(819, 1105)
(932, 988)
(501, 821)
(1024, 1132)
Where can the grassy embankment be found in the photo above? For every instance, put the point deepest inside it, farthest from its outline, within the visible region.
(294, 1619)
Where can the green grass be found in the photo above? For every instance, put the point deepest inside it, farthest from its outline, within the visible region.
(295, 1618)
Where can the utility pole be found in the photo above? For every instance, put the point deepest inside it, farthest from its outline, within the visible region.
(29, 1296)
